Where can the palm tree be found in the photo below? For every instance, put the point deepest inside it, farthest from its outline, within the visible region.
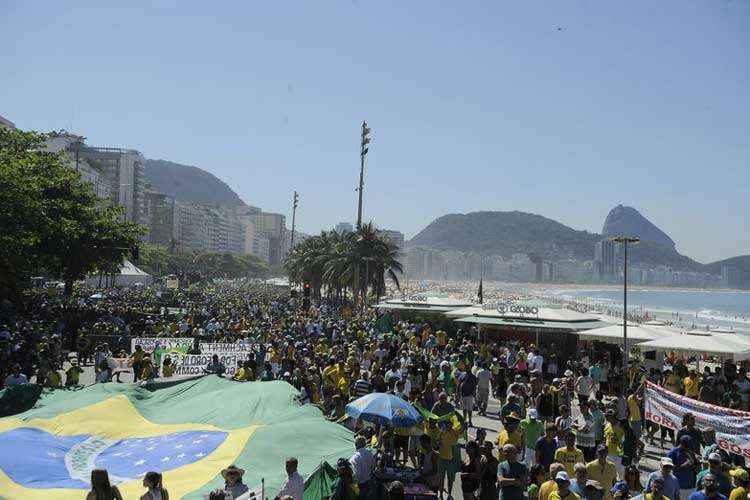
(356, 261)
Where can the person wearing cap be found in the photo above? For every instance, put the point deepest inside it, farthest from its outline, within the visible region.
(569, 455)
(603, 470)
(547, 487)
(723, 482)
(512, 475)
(710, 490)
(670, 486)
(741, 482)
(684, 462)
(563, 492)
(532, 429)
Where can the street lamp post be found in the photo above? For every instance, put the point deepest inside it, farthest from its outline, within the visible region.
(363, 149)
(624, 240)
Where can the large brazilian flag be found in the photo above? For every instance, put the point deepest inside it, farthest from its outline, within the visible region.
(188, 430)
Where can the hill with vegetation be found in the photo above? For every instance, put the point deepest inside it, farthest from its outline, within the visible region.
(189, 184)
(739, 270)
(506, 233)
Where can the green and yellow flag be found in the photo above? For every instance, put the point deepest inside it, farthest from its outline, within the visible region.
(188, 430)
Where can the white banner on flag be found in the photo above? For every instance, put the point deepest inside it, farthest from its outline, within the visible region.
(732, 426)
(194, 364)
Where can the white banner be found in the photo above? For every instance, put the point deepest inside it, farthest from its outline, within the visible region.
(223, 347)
(150, 343)
(194, 364)
(732, 426)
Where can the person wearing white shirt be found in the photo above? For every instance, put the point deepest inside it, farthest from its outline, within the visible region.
(535, 361)
(363, 463)
(293, 485)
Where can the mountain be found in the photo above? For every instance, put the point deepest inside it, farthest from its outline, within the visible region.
(189, 184)
(627, 221)
(739, 270)
(506, 233)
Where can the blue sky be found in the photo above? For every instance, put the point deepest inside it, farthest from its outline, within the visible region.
(562, 108)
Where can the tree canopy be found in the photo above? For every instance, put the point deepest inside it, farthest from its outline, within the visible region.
(50, 219)
(357, 261)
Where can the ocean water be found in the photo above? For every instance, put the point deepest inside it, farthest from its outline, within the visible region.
(702, 307)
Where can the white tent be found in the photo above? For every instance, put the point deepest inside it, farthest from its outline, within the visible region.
(613, 334)
(129, 275)
(725, 345)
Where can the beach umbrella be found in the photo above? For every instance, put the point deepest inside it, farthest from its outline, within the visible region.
(387, 408)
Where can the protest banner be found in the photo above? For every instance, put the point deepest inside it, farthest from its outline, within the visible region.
(224, 347)
(732, 426)
(193, 364)
(149, 344)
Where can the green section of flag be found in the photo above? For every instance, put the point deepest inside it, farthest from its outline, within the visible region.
(288, 429)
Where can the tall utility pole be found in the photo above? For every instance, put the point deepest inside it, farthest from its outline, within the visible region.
(624, 240)
(295, 200)
(363, 149)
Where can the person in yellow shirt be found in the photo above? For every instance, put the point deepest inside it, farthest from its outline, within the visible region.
(244, 373)
(692, 384)
(331, 374)
(550, 486)
(563, 492)
(441, 338)
(672, 382)
(511, 434)
(634, 412)
(53, 379)
(603, 470)
(167, 368)
(741, 482)
(613, 434)
(569, 455)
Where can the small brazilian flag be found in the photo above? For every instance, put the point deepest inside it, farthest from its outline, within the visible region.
(188, 430)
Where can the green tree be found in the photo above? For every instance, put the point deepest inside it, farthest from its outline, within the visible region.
(51, 219)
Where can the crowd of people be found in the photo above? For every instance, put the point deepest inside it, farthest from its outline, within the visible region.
(565, 427)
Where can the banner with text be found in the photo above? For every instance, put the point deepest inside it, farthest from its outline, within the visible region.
(225, 347)
(149, 344)
(732, 426)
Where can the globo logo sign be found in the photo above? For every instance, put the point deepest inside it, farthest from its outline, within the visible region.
(513, 309)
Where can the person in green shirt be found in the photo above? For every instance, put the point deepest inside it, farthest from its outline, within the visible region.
(532, 428)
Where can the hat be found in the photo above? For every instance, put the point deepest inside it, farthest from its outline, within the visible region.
(568, 373)
(666, 461)
(562, 476)
(602, 448)
(740, 473)
(232, 469)
(533, 413)
(714, 457)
